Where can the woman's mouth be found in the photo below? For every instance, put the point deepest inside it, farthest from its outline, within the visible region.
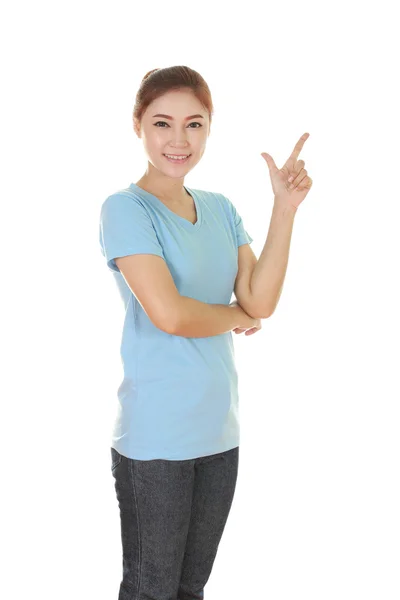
(177, 160)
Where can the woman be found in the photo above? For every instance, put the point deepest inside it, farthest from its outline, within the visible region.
(174, 254)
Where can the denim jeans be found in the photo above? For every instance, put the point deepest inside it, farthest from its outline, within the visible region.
(173, 514)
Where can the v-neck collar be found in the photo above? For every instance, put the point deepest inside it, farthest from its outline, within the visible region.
(157, 203)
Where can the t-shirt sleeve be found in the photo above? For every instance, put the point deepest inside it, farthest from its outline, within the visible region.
(242, 237)
(126, 228)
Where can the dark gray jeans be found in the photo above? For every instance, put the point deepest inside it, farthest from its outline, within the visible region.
(173, 514)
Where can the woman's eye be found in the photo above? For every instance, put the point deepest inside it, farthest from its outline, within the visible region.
(164, 123)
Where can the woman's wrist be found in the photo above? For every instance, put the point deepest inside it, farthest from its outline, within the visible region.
(243, 319)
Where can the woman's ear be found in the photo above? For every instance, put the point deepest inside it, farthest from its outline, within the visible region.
(136, 127)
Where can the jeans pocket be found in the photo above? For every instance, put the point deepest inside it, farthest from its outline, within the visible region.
(116, 458)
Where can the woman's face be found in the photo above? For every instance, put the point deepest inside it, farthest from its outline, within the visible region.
(174, 135)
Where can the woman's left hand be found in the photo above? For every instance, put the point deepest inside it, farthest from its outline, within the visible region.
(290, 184)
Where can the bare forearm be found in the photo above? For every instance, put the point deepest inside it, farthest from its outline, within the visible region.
(269, 273)
(199, 319)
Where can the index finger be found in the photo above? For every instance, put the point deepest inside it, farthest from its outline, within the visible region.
(298, 147)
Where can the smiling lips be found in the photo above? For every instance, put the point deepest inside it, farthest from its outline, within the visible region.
(177, 160)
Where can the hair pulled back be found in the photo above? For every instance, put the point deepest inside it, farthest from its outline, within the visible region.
(158, 82)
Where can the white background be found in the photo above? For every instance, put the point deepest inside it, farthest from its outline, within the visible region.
(316, 509)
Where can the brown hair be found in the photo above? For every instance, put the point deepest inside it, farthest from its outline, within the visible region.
(160, 81)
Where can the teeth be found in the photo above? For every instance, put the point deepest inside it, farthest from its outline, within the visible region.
(175, 158)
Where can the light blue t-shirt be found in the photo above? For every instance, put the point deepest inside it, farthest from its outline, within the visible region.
(179, 396)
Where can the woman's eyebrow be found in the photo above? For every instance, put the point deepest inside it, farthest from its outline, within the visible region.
(187, 118)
